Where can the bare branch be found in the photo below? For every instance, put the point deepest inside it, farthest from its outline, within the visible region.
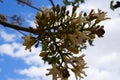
(22, 1)
(17, 27)
(1, 1)
(51, 1)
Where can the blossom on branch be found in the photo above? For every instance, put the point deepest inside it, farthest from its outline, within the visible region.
(29, 41)
(78, 38)
(100, 16)
(62, 36)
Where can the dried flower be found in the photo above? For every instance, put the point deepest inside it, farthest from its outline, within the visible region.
(29, 41)
(78, 66)
(54, 72)
(62, 36)
(100, 16)
(3, 17)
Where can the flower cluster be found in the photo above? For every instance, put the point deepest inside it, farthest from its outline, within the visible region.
(29, 41)
(62, 35)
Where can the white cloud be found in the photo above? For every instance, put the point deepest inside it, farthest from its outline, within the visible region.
(7, 36)
(31, 23)
(9, 50)
(110, 59)
(35, 72)
(24, 78)
(17, 50)
(101, 74)
(14, 50)
(34, 60)
(96, 74)
(31, 72)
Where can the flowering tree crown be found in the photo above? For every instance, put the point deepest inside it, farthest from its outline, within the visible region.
(62, 36)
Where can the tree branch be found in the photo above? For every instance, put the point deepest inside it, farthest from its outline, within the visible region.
(17, 27)
(51, 1)
(22, 1)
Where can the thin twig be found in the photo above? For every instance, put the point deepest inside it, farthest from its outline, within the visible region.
(51, 1)
(22, 1)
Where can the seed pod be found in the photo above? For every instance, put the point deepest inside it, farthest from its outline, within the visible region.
(67, 13)
(74, 9)
(58, 8)
(65, 73)
(63, 9)
(52, 47)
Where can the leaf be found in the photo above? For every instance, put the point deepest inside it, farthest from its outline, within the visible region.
(117, 5)
(36, 45)
(46, 59)
(111, 4)
(66, 2)
(82, 1)
(84, 47)
(77, 0)
(54, 60)
(91, 42)
(44, 48)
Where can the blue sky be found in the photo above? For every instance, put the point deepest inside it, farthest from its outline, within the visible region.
(18, 64)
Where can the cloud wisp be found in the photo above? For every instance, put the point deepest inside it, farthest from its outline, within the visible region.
(6, 36)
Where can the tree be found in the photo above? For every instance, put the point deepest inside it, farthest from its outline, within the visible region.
(62, 35)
